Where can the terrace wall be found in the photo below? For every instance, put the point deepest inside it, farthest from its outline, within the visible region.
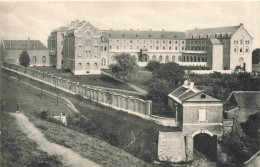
(117, 101)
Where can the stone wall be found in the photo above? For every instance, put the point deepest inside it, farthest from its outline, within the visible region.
(116, 101)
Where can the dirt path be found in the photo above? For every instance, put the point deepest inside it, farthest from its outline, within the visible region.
(70, 157)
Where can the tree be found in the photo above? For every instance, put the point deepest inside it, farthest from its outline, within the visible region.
(153, 65)
(24, 59)
(256, 56)
(125, 67)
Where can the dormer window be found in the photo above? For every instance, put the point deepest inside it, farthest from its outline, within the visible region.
(24, 45)
(150, 36)
(110, 35)
(10, 45)
(34, 46)
(136, 36)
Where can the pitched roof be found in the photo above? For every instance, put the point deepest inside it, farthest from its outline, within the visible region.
(18, 45)
(131, 34)
(185, 93)
(213, 31)
(245, 99)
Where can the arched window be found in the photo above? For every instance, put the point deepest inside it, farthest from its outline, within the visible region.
(157, 47)
(170, 48)
(202, 59)
(195, 59)
(191, 58)
(160, 58)
(44, 59)
(241, 50)
(241, 39)
(198, 59)
(96, 66)
(80, 66)
(154, 58)
(235, 50)
(173, 58)
(103, 62)
(167, 59)
(247, 50)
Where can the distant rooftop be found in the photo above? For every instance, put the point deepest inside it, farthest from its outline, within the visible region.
(19, 45)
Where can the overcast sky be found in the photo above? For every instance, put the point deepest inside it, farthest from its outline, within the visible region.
(18, 20)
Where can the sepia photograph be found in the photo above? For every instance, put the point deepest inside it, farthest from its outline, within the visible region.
(130, 83)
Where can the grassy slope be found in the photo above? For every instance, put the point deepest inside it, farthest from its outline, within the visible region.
(19, 151)
(95, 80)
(141, 79)
(131, 133)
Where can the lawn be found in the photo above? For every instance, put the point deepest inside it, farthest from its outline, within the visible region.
(94, 80)
(127, 132)
(141, 79)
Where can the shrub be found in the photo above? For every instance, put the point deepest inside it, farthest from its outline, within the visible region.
(43, 114)
(24, 59)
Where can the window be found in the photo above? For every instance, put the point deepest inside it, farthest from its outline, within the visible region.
(137, 47)
(167, 59)
(88, 66)
(154, 58)
(110, 47)
(10, 46)
(34, 59)
(241, 50)
(44, 59)
(182, 42)
(160, 58)
(170, 42)
(247, 50)
(157, 41)
(151, 47)
(131, 47)
(170, 48)
(34, 46)
(203, 114)
(96, 66)
(235, 50)
(131, 41)
(157, 47)
(241, 41)
(163, 47)
(176, 48)
(80, 66)
(105, 48)
(117, 47)
(163, 42)
(117, 41)
(103, 62)
(173, 58)
(101, 48)
(176, 42)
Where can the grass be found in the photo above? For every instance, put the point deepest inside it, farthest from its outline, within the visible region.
(141, 79)
(19, 151)
(128, 132)
(95, 80)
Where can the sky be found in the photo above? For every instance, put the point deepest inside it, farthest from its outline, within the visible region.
(20, 20)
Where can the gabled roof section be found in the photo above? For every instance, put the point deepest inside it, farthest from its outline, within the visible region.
(19, 45)
(188, 93)
(245, 99)
(131, 34)
(202, 33)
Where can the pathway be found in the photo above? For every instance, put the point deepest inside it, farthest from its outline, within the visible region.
(70, 157)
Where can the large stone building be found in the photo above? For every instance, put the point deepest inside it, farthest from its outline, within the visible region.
(88, 49)
(11, 50)
(55, 45)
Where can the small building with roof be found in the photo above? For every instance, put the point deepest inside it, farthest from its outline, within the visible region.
(241, 104)
(199, 116)
(38, 52)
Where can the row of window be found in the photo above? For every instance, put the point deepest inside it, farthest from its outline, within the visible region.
(196, 42)
(151, 41)
(241, 50)
(194, 59)
(151, 47)
(88, 66)
(241, 41)
(34, 59)
(197, 48)
(218, 35)
(24, 46)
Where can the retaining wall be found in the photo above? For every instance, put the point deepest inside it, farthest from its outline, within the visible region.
(117, 101)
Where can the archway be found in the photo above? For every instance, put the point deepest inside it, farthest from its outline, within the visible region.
(206, 144)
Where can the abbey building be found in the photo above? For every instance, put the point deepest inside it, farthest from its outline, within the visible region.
(86, 49)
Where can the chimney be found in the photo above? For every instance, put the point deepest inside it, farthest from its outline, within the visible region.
(83, 21)
(28, 39)
(241, 24)
(162, 29)
(150, 29)
(196, 28)
(191, 85)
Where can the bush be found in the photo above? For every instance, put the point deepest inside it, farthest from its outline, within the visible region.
(24, 59)
(43, 114)
(153, 65)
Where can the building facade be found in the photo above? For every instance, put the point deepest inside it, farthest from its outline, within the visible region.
(38, 53)
(55, 45)
(224, 48)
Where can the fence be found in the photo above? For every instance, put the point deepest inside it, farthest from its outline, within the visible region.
(116, 101)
